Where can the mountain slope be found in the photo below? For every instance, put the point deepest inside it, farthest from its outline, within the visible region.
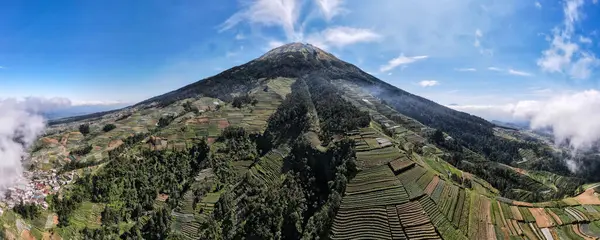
(298, 144)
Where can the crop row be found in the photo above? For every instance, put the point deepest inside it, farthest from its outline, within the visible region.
(268, 168)
(401, 165)
(480, 220)
(390, 196)
(425, 179)
(448, 200)
(561, 216)
(432, 185)
(372, 179)
(414, 191)
(425, 231)
(394, 221)
(464, 216)
(361, 224)
(411, 214)
(531, 231)
(437, 192)
(574, 213)
(527, 216)
(443, 225)
(412, 174)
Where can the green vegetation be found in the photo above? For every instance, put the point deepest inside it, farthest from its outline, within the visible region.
(29, 210)
(84, 129)
(108, 127)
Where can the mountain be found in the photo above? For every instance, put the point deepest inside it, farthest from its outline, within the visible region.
(298, 144)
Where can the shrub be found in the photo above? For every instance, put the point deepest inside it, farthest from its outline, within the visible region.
(108, 127)
(84, 129)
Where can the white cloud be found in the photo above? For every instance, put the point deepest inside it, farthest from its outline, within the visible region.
(574, 118)
(519, 73)
(583, 39)
(478, 33)
(565, 56)
(1, 67)
(282, 13)
(240, 36)
(330, 8)
(342, 36)
(465, 69)
(510, 71)
(19, 128)
(428, 83)
(401, 60)
(538, 5)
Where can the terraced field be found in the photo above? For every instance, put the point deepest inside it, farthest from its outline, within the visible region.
(269, 168)
(362, 223)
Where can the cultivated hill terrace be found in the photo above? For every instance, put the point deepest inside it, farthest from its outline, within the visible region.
(295, 144)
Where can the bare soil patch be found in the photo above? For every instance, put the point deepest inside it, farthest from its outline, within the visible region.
(25, 234)
(588, 197)
(114, 144)
(223, 123)
(541, 218)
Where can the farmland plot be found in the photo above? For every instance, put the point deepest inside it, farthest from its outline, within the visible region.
(363, 223)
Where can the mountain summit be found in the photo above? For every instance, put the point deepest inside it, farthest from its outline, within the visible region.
(308, 51)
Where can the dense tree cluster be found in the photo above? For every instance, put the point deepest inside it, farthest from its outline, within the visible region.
(82, 151)
(289, 120)
(129, 185)
(165, 121)
(234, 144)
(27, 210)
(242, 100)
(108, 127)
(188, 107)
(336, 115)
(84, 129)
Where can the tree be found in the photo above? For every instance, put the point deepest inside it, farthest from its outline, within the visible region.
(108, 127)
(84, 129)
(438, 136)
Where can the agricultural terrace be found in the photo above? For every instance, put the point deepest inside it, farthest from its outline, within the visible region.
(374, 148)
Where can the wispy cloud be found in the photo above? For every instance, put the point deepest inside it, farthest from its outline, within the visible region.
(330, 8)
(282, 13)
(519, 73)
(510, 71)
(428, 83)
(583, 39)
(465, 69)
(564, 55)
(342, 36)
(401, 60)
(538, 5)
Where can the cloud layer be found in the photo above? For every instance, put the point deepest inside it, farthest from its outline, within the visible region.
(19, 128)
(574, 118)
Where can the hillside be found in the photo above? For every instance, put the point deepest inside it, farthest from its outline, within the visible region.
(298, 144)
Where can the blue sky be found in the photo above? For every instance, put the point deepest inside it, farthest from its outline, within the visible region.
(465, 52)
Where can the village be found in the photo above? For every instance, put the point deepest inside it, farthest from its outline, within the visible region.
(34, 187)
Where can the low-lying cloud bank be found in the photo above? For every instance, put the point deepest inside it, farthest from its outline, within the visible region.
(574, 118)
(19, 128)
